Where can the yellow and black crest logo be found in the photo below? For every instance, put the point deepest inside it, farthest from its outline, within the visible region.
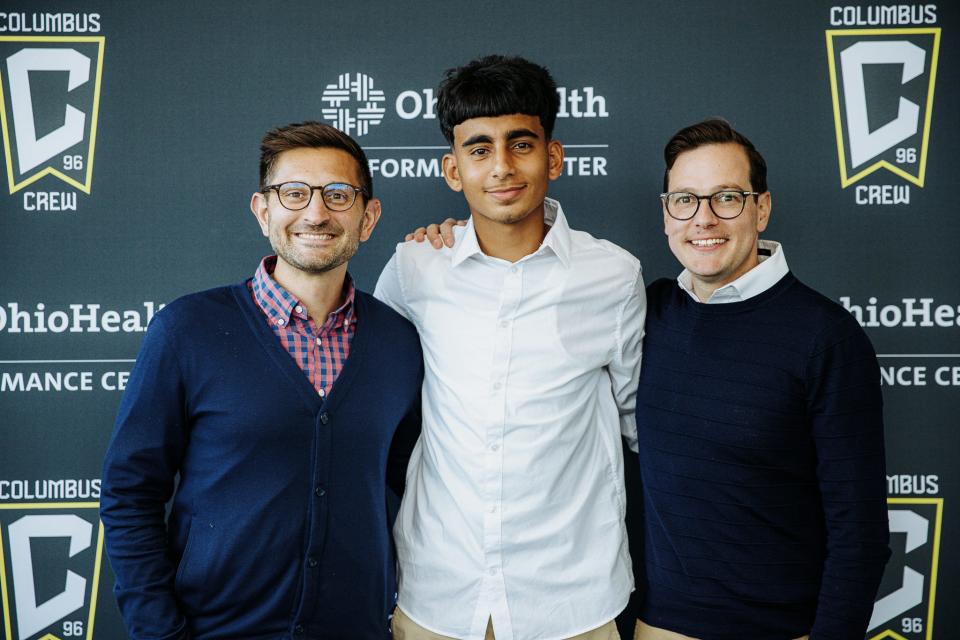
(905, 606)
(882, 82)
(49, 102)
(50, 559)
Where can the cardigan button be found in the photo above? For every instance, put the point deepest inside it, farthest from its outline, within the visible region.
(312, 562)
(324, 418)
(298, 630)
(320, 491)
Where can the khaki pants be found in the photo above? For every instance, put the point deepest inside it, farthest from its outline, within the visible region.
(406, 629)
(644, 631)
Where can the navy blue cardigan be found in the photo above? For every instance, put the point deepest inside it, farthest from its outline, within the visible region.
(761, 452)
(278, 526)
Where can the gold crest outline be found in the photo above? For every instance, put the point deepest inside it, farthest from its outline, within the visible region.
(97, 564)
(934, 565)
(91, 148)
(845, 180)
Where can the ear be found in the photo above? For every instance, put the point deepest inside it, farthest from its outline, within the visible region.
(554, 159)
(258, 205)
(764, 205)
(451, 172)
(371, 215)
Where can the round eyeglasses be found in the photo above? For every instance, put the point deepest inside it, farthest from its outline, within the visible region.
(337, 196)
(726, 204)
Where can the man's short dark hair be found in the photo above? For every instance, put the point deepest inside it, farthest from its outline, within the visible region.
(497, 86)
(311, 135)
(714, 131)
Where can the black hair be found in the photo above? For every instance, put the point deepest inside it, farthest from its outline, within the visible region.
(496, 86)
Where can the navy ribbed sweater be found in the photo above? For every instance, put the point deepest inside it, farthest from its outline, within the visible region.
(761, 452)
(278, 527)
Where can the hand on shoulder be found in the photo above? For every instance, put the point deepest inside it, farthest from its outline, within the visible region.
(438, 234)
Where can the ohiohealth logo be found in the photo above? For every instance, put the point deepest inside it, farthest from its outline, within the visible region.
(49, 102)
(353, 105)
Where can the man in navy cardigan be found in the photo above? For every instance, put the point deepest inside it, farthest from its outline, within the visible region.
(275, 403)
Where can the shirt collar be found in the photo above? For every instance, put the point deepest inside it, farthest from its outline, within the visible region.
(557, 239)
(772, 267)
(558, 236)
(279, 304)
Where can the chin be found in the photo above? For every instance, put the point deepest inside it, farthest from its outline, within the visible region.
(512, 217)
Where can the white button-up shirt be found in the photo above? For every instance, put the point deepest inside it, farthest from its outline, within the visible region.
(514, 503)
(772, 267)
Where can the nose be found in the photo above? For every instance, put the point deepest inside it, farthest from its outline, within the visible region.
(316, 212)
(705, 217)
(502, 163)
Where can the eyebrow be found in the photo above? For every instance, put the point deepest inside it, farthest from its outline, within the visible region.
(482, 138)
(715, 188)
(477, 139)
(521, 133)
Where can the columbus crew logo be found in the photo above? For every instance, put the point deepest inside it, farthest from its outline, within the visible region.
(49, 102)
(882, 83)
(50, 560)
(352, 104)
(905, 606)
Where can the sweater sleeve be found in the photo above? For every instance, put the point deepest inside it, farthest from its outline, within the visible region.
(148, 442)
(845, 407)
(404, 440)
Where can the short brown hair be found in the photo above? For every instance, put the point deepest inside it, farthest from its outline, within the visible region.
(715, 131)
(312, 135)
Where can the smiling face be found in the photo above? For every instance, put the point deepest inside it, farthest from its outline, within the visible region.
(714, 250)
(503, 165)
(314, 240)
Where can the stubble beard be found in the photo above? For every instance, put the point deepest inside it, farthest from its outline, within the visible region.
(347, 245)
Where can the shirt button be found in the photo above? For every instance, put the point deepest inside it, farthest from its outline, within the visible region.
(320, 491)
(322, 393)
(324, 418)
(298, 309)
(494, 447)
(319, 341)
(503, 323)
(493, 509)
(312, 562)
(280, 321)
(497, 385)
(493, 571)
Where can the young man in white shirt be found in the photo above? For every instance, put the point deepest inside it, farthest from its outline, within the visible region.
(512, 521)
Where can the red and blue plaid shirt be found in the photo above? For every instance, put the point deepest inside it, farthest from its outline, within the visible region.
(319, 351)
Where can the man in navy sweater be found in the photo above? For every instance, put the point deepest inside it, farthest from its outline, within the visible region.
(760, 423)
(275, 402)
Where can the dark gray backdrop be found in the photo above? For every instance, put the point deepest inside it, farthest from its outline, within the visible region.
(188, 89)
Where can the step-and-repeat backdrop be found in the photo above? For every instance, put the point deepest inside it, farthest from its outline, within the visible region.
(130, 140)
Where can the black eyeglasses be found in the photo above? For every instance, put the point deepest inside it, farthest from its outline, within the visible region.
(337, 196)
(726, 204)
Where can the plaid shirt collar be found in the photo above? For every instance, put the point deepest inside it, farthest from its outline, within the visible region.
(278, 303)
